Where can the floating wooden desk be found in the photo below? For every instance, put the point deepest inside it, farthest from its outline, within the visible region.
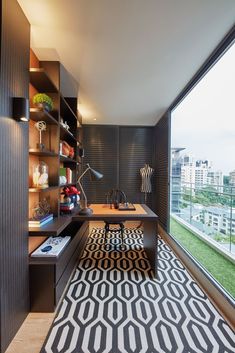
(142, 213)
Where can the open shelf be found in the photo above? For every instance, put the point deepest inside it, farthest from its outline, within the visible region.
(37, 114)
(46, 153)
(66, 110)
(43, 190)
(40, 80)
(66, 135)
(54, 227)
(65, 159)
(69, 184)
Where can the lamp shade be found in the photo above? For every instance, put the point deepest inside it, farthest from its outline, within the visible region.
(94, 175)
(20, 109)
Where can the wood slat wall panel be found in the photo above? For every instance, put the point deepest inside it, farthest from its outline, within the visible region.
(135, 149)
(101, 152)
(14, 299)
(119, 153)
(161, 201)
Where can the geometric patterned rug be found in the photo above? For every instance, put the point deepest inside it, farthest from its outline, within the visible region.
(114, 305)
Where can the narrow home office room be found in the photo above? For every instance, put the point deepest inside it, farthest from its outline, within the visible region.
(117, 177)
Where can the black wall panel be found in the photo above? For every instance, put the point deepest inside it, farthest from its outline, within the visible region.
(135, 149)
(101, 152)
(161, 201)
(119, 153)
(14, 81)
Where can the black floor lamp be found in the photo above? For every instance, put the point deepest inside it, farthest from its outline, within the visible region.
(94, 175)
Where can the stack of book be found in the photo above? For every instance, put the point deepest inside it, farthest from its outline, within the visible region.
(66, 207)
(40, 221)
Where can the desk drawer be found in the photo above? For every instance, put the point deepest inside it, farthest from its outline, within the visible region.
(71, 248)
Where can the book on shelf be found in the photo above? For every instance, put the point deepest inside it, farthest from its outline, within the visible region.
(40, 221)
(52, 246)
(66, 206)
(69, 175)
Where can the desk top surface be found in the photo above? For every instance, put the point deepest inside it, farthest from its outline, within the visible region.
(104, 212)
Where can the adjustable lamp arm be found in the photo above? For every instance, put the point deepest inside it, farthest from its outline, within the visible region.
(80, 185)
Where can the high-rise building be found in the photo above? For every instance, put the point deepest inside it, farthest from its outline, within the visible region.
(176, 165)
(202, 168)
(215, 178)
(232, 178)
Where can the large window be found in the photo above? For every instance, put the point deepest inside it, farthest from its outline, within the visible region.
(203, 171)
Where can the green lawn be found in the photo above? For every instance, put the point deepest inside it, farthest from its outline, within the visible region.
(219, 267)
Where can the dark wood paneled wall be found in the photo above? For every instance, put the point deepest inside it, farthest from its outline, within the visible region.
(135, 149)
(161, 157)
(118, 152)
(15, 44)
(101, 152)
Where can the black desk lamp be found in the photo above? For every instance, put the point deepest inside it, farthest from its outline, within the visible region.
(94, 175)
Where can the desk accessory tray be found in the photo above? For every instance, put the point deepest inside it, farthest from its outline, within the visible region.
(53, 246)
(126, 207)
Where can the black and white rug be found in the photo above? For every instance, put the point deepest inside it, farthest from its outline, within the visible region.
(113, 304)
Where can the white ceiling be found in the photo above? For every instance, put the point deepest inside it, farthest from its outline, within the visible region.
(130, 57)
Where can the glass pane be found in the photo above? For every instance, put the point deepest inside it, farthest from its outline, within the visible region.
(203, 171)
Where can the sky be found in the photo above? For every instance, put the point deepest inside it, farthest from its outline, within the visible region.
(204, 122)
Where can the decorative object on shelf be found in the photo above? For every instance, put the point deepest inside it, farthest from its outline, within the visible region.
(40, 175)
(20, 109)
(66, 176)
(66, 205)
(43, 101)
(94, 175)
(65, 125)
(72, 193)
(66, 150)
(41, 210)
(40, 126)
(63, 180)
(52, 246)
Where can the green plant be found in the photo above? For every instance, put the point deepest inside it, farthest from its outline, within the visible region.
(42, 98)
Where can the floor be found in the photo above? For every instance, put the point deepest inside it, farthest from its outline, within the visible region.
(115, 305)
(33, 332)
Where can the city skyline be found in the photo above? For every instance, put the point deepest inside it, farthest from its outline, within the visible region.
(204, 122)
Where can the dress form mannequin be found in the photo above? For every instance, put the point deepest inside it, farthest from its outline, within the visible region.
(146, 172)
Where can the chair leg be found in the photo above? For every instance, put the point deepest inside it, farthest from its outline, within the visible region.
(122, 231)
(106, 231)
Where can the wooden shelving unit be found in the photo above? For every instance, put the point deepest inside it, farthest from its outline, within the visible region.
(45, 78)
(48, 276)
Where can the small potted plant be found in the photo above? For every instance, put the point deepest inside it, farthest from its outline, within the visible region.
(42, 100)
